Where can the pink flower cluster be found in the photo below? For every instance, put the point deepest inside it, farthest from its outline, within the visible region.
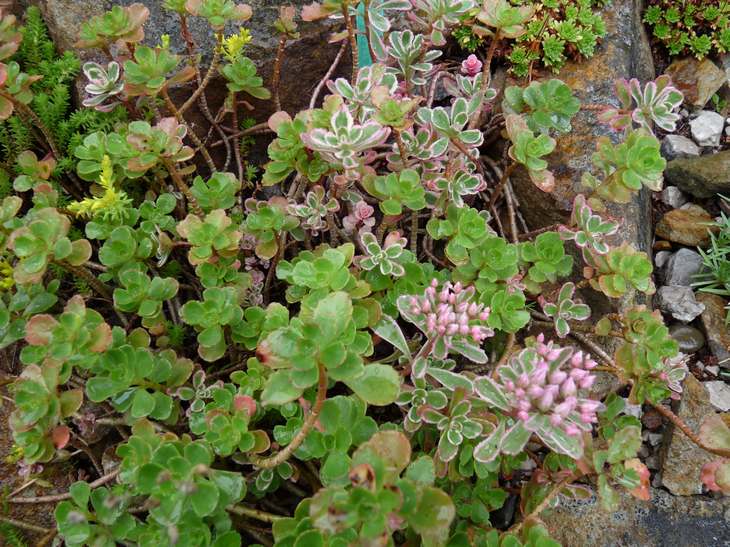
(471, 66)
(451, 312)
(549, 390)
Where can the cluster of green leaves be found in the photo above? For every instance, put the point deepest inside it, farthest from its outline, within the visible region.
(700, 28)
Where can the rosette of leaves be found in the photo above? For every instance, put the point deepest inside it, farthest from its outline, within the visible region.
(359, 95)
(621, 270)
(547, 258)
(656, 104)
(418, 399)
(218, 12)
(24, 302)
(144, 296)
(258, 322)
(506, 20)
(362, 511)
(218, 309)
(42, 240)
(450, 125)
(32, 170)
(147, 73)
(315, 209)
(565, 309)
(91, 152)
(454, 427)
(106, 523)
(121, 25)
(151, 145)
(586, 229)
(630, 165)
(241, 76)
(76, 338)
(397, 190)
(700, 27)
(287, 152)
(219, 192)
(465, 227)
(547, 105)
(37, 422)
(343, 424)
(10, 36)
(155, 214)
(224, 421)
(440, 15)
(213, 235)
(320, 272)
(137, 381)
(197, 392)
(387, 258)
(643, 354)
(266, 221)
(457, 186)
(344, 141)
(528, 150)
(182, 494)
(411, 55)
(325, 341)
(122, 247)
(16, 85)
(104, 84)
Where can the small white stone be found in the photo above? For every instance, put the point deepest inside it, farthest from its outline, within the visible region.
(677, 146)
(661, 258)
(679, 302)
(674, 197)
(719, 394)
(632, 410)
(655, 438)
(707, 128)
(714, 370)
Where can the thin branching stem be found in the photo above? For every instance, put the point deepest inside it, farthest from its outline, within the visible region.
(191, 132)
(276, 77)
(352, 38)
(250, 512)
(66, 495)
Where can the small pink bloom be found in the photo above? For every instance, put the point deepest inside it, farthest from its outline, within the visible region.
(471, 66)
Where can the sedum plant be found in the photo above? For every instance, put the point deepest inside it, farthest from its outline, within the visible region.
(351, 330)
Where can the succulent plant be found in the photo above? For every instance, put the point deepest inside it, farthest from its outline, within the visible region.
(547, 105)
(398, 190)
(345, 141)
(656, 104)
(586, 229)
(214, 235)
(504, 18)
(413, 59)
(16, 83)
(104, 84)
(565, 309)
(241, 76)
(629, 166)
(455, 427)
(121, 24)
(10, 36)
(451, 125)
(548, 258)
(218, 309)
(528, 150)
(538, 387)
(621, 270)
(450, 318)
(315, 209)
(265, 221)
(420, 398)
(147, 73)
(386, 258)
(218, 12)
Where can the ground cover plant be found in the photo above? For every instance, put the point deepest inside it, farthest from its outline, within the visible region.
(357, 345)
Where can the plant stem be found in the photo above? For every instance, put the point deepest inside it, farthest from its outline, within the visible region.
(79, 271)
(276, 78)
(206, 80)
(691, 435)
(351, 36)
(181, 185)
(545, 503)
(328, 74)
(191, 133)
(486, 78)
(533, 233)
(366, 20)
(61, 497)
(236, 140)
(414, 232)
(500, 185)
(24, 525)
(245, 511)
(284, 454)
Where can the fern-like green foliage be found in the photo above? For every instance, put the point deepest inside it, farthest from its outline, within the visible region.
(11, 536)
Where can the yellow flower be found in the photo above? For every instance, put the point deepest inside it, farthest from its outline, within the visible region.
(112, 204)
(6, 275)
(233, 46)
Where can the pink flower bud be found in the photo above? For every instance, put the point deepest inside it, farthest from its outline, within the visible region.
(535, 391)
(522, 415)
(587, 382)
(572, 430)
(471, 66)
(473, 309)
(426, 306)
(557, 377)
(567, 388)
(464, 329)
(483, 316)
(556, 419)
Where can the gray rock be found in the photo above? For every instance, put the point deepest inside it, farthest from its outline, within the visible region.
(679, 302)
(673, 196)
(680, 268)
(719, 394)
(677, 146)
(662, 521)
(305, 60)
(698, 80)
(703, 176)
(689, 339)
(682, 460)
(707, 128)
(714, 370)
(660, 259)
(718, 333)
